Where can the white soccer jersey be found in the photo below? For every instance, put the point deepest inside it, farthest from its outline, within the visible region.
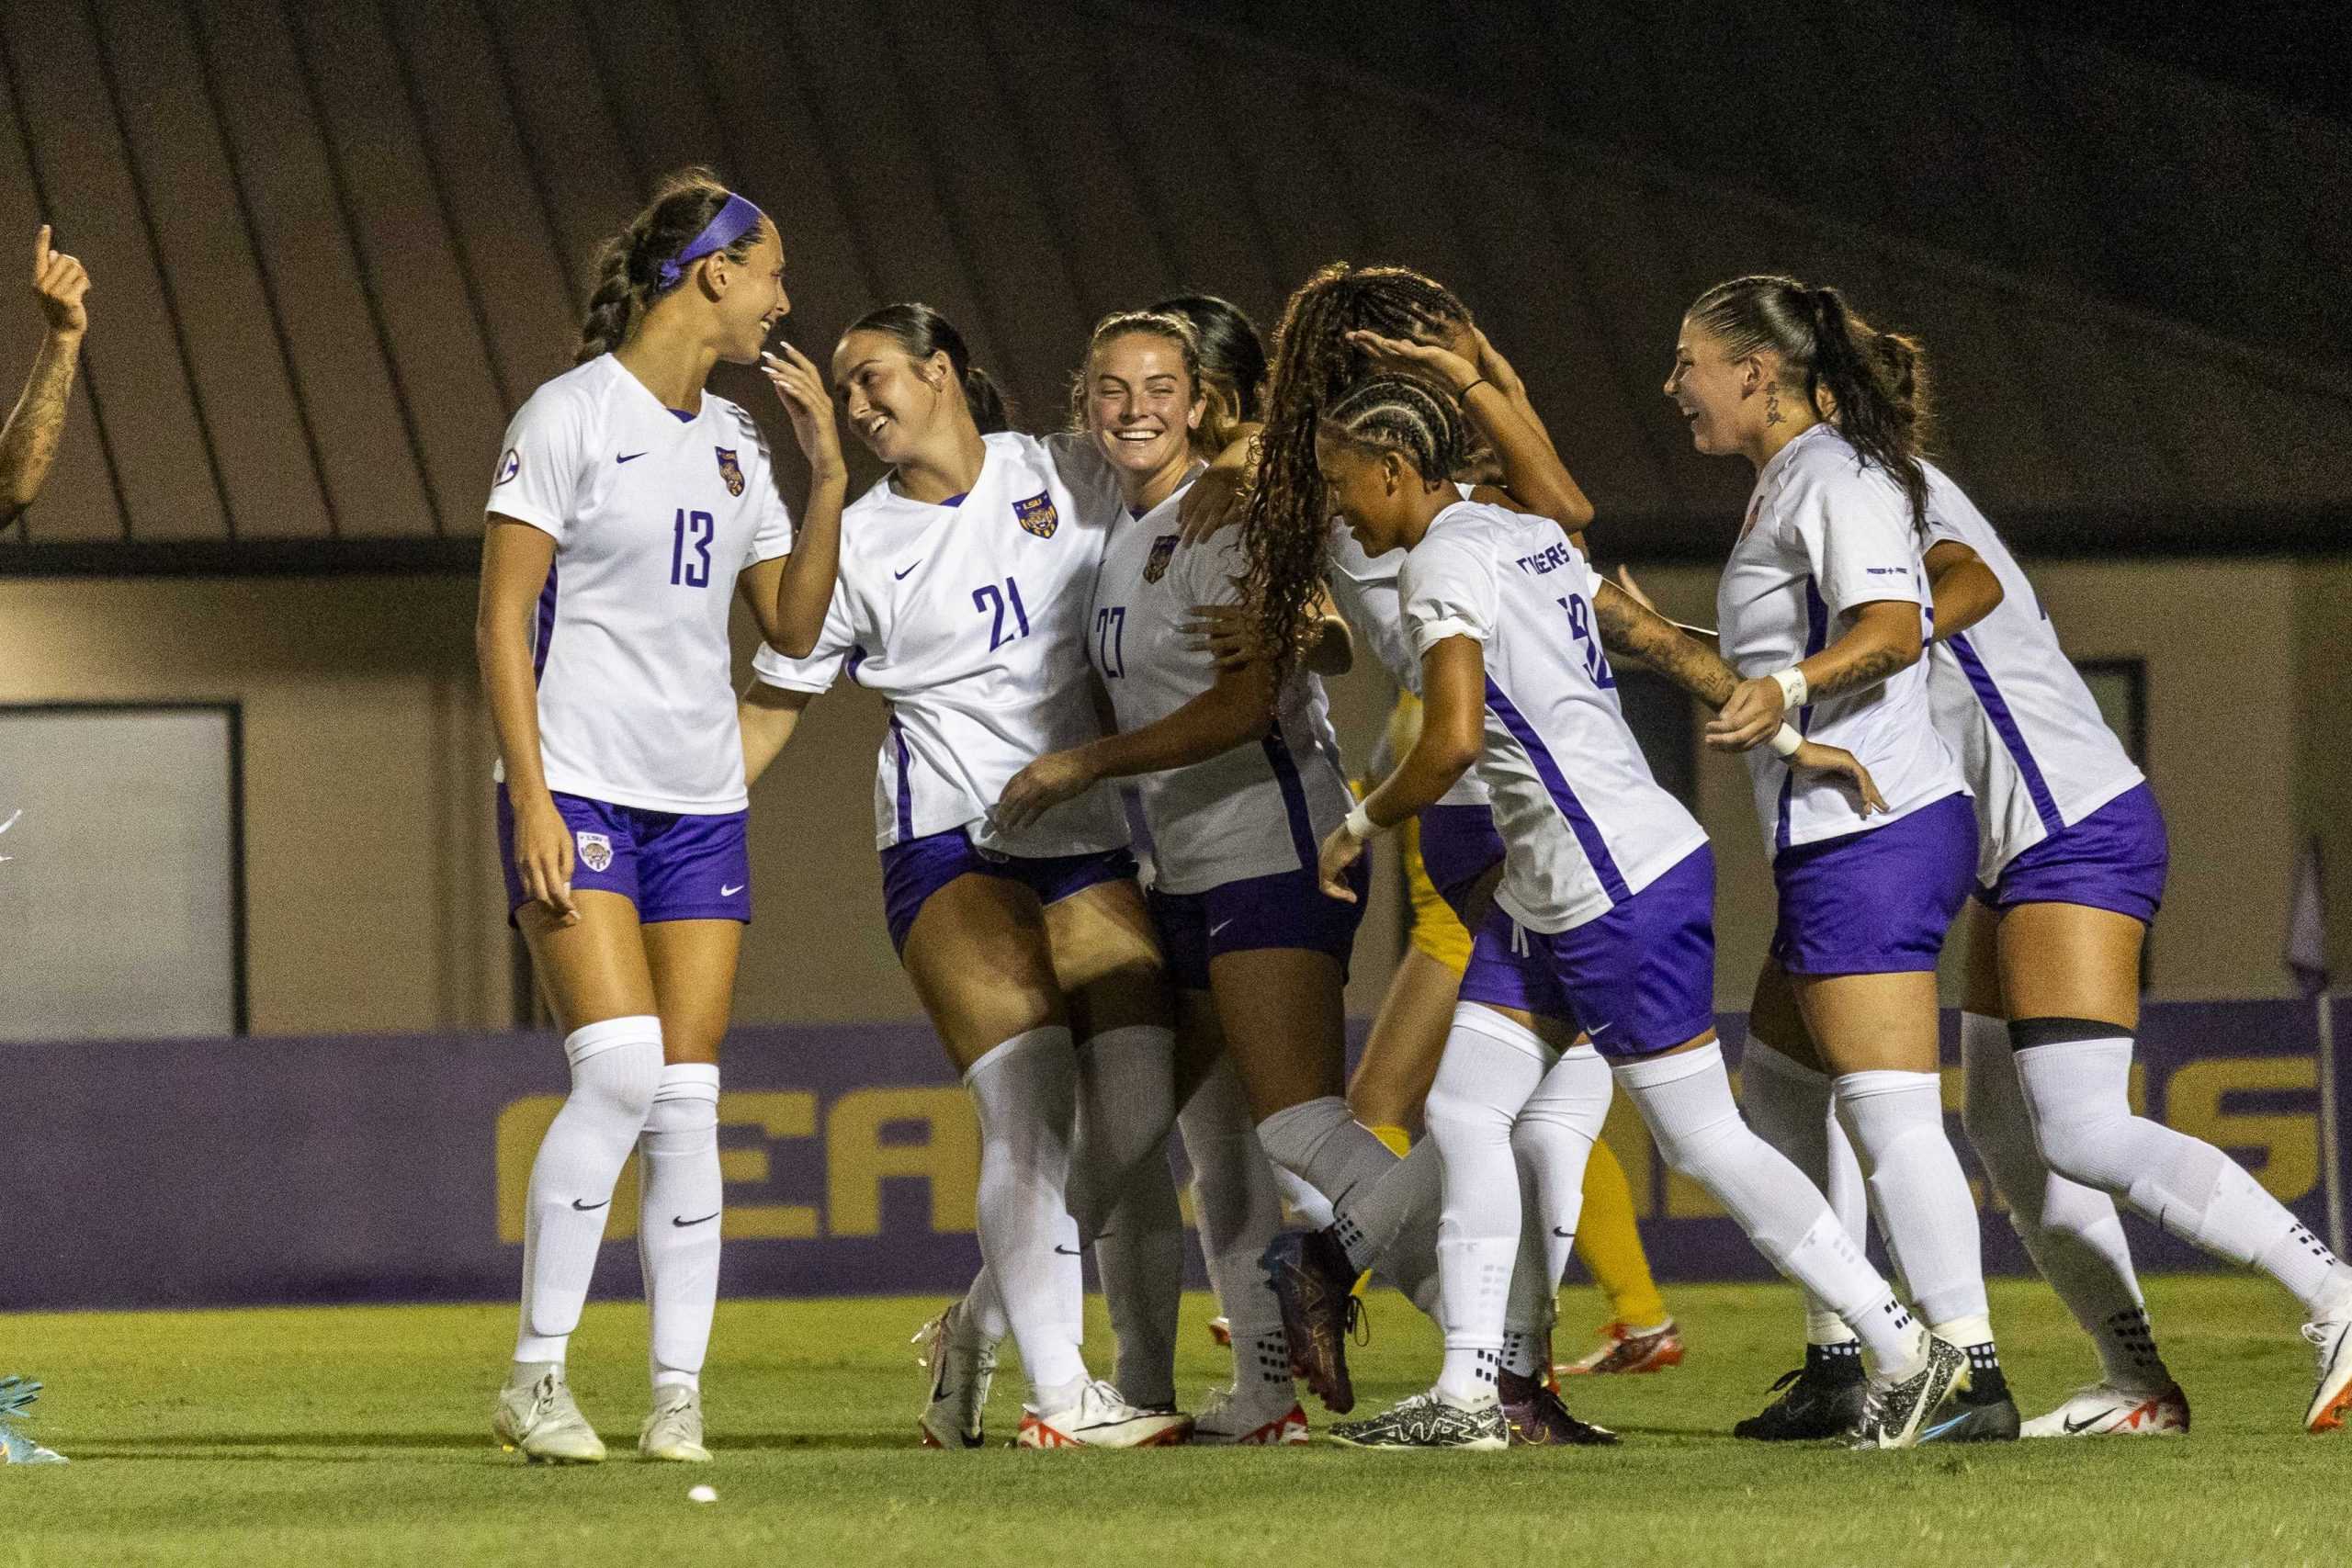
(971, 621)
(1584, 825)
(1825, 535)
(1258, 809)
(653, 515)
(1364, 587)
(2032, 744)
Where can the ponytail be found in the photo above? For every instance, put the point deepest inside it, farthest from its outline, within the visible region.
(629, 264)
(922, 332)
(1871, 384)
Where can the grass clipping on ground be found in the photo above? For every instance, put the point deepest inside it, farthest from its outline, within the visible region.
(362, 1436)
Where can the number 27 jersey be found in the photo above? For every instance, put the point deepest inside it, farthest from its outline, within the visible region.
(970, 620)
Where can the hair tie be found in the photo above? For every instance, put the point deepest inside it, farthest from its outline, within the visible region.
(735, 219)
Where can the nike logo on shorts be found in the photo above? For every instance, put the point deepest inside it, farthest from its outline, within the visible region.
(704, 1221)
(628, 456)
(901, 576)
(730, 892)
(585, 1207)
(1219, 926)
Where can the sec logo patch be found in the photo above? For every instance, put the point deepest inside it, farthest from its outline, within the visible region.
(510, 463)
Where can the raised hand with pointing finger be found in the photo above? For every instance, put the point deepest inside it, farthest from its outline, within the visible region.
(28, 441)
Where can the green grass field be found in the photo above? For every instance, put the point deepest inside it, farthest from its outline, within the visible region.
(360, 1435)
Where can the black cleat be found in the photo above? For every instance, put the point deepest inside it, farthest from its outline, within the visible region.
(1825, 1399)
(1314, 1283)
(1538, 1419)
(1979, 1410)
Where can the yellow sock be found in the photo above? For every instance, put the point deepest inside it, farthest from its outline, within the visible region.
(1399, 1140)
(1612, 1246)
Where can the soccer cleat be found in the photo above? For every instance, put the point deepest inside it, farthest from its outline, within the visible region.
(1101, 1419)
(1537, 1419)
(2331, 1399)
(1314, 1284)
(1824, 1399)
(1624, 1351)
(1271, 1419)
(1970, 1415)
(2103, 1410)
(1895, 1409)
(1425, 1421)
(1221, 1330)
(16, 1394)
(540, 1421)
(673, 1431)
(961, 1371)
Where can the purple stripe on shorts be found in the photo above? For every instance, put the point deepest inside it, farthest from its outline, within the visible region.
(1596, 848)
(1816, 637)
(906, 786)
(547, 625)
(2005, 725)
(1302, 828)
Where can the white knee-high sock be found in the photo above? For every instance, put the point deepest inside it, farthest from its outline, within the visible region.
(1310, 1207)
(616, 1065)
(1554, 1139)
(1685, 1100)
(1026, 1091)
(1490, 1070)
(1140, 1255)
(1534, 1299)
(678, 1219)
(1374, 1194)
(1788, 1105)
(2071, 1231)
(2077, 1090)
(1240, 1209)
(1896, 1120)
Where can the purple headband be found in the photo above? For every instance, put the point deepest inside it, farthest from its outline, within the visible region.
(734, 220)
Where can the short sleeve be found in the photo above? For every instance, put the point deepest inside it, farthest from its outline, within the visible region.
(1212, 571)
(1857, 538)
(539, 463)
(772, 529)
(1085, 471)
(1446, 589)
(822, 666)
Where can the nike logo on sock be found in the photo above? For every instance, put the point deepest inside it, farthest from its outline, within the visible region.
(626, 457)
(585, 1207)
(1066, 1251)
(1564, 1235)
(704, 1221)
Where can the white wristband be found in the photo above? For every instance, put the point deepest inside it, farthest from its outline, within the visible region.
(1792, 687)
(1359, 824)
(1786, 742)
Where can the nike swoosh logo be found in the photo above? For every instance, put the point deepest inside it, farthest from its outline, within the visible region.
(1939, 1429)
(628, 456)
(585, 1207)
(1066, 1251)
(1601, 1029)
(730, 892)
(704, 1221)
(1220, 926)
(2075, 1426)
(901, 576)
(1564, 1235)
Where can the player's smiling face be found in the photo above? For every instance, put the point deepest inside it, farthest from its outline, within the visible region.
(1365, 493)
(1141, 404)
(1710, 389)
(753, 300)
(890, 398)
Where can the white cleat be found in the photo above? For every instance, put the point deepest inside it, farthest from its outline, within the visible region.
(672, 1432)
(540, 1421)
(1101, 1419)
(2103, 1410)
(961, 1367)
(2332, 1400)
(1894, 1408)
(1271, 1418)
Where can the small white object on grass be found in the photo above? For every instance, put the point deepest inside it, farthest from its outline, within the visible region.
(702, 1494)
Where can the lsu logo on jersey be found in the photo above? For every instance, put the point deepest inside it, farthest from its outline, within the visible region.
(1163, 551)
(730, 469)
(1037, 515)
(596, 851)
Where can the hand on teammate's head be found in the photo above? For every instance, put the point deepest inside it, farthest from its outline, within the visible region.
(61, 284)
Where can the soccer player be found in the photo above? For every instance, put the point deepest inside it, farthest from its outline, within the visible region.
(628, 505)
(1822, 606)
(27, 450)
(2070, 872)
(963, 600)
(1602, 919)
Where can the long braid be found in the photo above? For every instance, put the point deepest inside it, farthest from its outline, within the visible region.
(1285, 532)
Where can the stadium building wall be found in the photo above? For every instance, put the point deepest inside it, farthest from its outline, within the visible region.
(372, 883)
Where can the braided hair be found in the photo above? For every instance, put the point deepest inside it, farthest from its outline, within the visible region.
(1405, 414)
(629, 264)
(1285, 532)
(1873, 385)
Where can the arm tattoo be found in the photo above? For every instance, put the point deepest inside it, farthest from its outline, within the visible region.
(1627, 627)
(1867, 670)
(28, 441)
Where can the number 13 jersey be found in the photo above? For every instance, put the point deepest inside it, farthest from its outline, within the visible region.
(970, 620)
(653, 514)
